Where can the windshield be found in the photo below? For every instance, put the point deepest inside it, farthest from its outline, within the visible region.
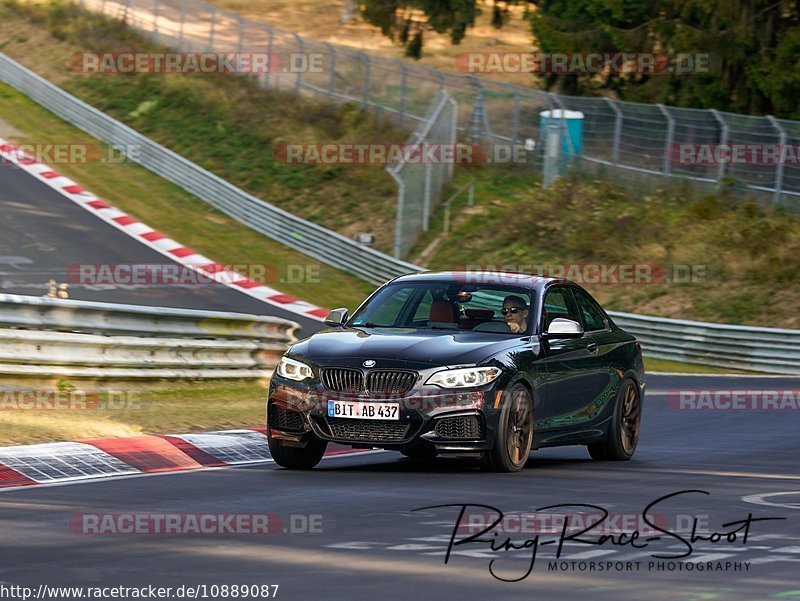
(448, 306)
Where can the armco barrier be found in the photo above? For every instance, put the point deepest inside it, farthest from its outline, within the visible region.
(311, 239)
(55, 337)
(739, 347)
(770, 350)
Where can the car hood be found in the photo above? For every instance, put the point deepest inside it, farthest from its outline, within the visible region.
(403, 348)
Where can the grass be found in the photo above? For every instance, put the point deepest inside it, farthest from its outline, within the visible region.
(176, 408)
(164, 409)
(751, 255)
(664, 365)
(178, 214)
(227, 124)
(748, 256)
(744, 258)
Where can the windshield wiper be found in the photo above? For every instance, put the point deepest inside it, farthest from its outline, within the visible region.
(371, 324)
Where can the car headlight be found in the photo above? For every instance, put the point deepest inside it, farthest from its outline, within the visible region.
(294, 370)
(467, 377)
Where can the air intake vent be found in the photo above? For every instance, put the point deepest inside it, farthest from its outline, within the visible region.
(390, 381)
(285, 419)
(343, 379)
(367, 430)
(459, 428)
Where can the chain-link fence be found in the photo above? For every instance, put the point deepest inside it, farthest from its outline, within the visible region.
(420, 182)
(625, 136)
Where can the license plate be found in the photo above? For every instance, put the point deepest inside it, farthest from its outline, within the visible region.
(356, 410)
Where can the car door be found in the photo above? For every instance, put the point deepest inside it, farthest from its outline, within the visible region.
(573, 376)
(596, 326)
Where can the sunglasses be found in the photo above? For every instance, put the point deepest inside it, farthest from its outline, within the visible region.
(512, 310)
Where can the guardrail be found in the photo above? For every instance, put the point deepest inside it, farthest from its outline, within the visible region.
(54, 337)
(739, 347)
(301, 235)
(769, 350)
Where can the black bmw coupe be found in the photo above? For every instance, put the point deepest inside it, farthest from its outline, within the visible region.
(469, 364)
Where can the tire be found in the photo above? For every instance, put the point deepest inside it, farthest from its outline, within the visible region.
(623, 435)
(512, 442)
(297, 458)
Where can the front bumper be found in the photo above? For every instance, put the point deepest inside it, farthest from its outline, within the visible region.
(446, 422)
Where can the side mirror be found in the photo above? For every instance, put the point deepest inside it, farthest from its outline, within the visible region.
(336, 318)
(564, 328)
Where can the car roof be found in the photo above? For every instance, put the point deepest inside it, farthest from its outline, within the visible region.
(481, 276)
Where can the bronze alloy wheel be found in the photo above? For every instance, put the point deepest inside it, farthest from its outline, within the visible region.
(520, 427)
(623, 433)
(630, 418)
(515, 432)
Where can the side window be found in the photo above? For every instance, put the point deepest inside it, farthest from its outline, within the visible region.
(558, 302)
(424, 308)
(593, 317)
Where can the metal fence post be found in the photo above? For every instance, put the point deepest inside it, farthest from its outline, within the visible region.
(562, 123)
(668, 143)
(426, 204)
(155, 21)
(241, 26)
(267, 79)
(617, 131)
(453, 133)
(299, 80)
(476, 118)
(183, 19)
(213, 27)
(779, 166)
(723, 141)
(367, 65)
(332, 67)
(403, 90)
(398, 228)
(553, 146)
(515, 117)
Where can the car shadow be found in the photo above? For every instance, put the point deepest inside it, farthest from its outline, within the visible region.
(400, 464)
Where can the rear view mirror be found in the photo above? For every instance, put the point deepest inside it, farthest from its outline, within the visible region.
(336, 318)
(564, 328)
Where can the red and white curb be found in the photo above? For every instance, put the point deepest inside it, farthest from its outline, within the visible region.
(153, 239)
(61, 462)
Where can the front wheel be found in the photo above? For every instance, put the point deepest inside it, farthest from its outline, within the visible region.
(297, 458)
(512, 443)
(623, 434)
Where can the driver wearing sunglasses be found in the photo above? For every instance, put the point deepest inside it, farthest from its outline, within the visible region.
(515, 312)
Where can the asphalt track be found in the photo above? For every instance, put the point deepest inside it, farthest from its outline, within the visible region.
(44, 233)
(371, 544)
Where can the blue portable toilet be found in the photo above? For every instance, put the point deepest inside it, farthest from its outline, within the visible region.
(572, 137)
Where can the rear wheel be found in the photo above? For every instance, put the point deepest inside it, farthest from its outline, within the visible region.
(297, 458)
(623, 434)
(512, 443)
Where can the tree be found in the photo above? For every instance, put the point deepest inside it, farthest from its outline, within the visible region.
(406, 20)
(752, 45)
